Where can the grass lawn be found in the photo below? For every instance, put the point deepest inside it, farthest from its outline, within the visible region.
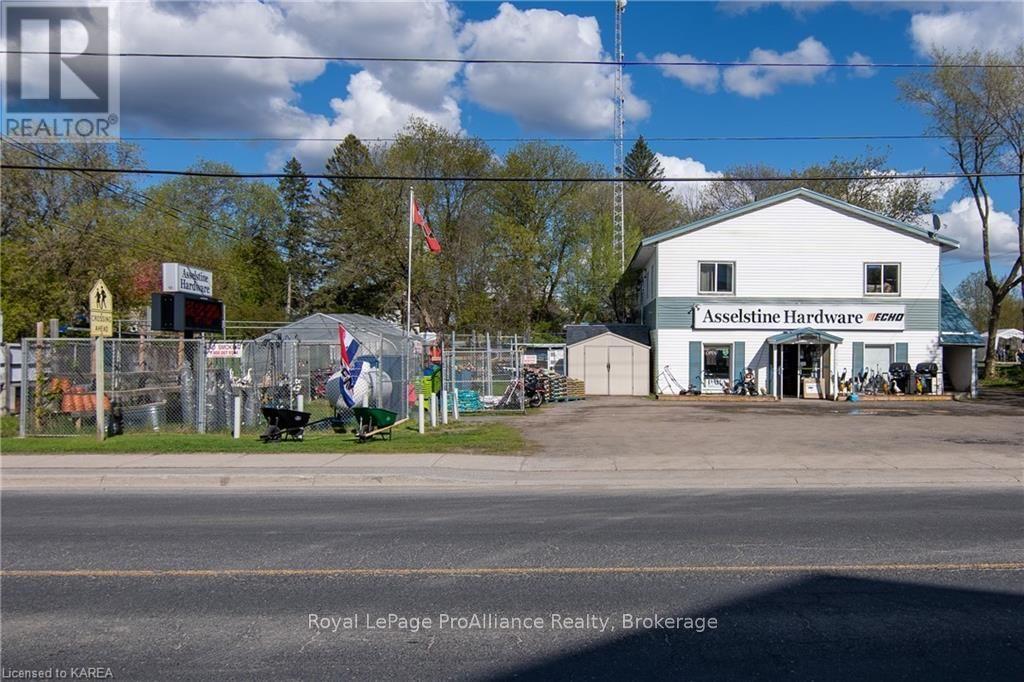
(1007, 377)
(461, 437)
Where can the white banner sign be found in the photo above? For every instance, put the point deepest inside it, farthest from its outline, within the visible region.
(224, 349)
(178, 277)
(864, 317)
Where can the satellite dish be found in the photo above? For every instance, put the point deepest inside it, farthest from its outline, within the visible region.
(936, 223)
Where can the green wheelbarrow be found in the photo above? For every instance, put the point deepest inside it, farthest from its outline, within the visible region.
(374, 421)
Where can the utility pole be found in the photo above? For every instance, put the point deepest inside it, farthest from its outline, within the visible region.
(288, 300)
(618, 187)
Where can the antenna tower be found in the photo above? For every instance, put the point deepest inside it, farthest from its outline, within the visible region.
(618, 188)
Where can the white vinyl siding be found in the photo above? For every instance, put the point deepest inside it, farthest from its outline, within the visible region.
(796, 249)
(672, 349)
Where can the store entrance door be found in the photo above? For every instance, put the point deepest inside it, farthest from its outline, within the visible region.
(791, 370)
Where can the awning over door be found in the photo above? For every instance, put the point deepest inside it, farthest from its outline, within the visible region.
(804, 335)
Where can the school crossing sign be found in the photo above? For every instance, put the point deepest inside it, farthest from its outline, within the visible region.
(101, 310)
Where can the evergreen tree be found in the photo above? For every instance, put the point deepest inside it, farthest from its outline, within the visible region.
(300, 252)
(641, 164)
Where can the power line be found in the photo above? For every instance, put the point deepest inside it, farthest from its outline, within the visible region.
(140, 199)
(504, 60)
(497, 178)
(603, 140)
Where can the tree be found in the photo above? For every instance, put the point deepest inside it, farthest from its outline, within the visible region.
(904, 199)
(535, 227)
(301, 254)
(642, 164)
(976, 301)
(967, 106)
(1006, 85)
(355, 236)
(61, 231)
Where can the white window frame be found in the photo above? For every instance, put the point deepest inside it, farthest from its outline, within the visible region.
(899, 279)
(703, 360)
(716, 263)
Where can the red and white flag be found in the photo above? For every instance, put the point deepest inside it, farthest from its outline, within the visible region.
(428, 234)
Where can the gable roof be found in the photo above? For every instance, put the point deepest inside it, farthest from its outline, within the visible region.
(323, 327)
(646, 245)
(956, 329)
(577, 333)
(804, 335)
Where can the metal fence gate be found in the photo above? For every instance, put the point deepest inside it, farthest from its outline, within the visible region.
(487, 372)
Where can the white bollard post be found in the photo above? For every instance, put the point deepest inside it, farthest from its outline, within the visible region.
(455, 403)
(299, 402)
(433, 410)
(237, 430)
(444, 407)
(420, 401)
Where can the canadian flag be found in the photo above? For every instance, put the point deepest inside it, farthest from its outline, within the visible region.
(428, 234)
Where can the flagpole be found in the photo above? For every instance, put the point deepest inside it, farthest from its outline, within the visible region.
(408, 288)
(408, 316)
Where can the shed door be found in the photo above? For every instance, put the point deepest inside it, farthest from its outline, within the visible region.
(620, 370)
(595, 370)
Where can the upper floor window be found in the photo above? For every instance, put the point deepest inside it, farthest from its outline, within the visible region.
(716, 278)
(882, 278)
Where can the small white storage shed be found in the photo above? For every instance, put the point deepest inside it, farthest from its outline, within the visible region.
(611, 359)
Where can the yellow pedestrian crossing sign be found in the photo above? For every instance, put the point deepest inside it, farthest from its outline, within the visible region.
(101, 310)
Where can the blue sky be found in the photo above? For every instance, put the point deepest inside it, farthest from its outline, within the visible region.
(316, 99)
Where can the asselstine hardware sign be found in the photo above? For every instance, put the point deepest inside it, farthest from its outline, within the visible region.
(178, 277)
(865, 317)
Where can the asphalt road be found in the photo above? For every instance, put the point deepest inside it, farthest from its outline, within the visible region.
(830, 585)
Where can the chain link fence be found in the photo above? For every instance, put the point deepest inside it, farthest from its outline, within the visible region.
(486, 370)
(191, 385)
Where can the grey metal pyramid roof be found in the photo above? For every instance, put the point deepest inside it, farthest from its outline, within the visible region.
(956, 329)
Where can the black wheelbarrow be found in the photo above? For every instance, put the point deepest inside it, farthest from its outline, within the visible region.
(284, 424)
(374, 421)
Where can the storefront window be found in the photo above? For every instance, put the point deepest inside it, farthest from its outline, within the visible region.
(882, 278)
(716, 362)
(716, 278)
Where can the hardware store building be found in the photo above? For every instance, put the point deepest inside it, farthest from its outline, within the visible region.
(797, 286)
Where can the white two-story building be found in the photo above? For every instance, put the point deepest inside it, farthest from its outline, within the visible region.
(795, 286)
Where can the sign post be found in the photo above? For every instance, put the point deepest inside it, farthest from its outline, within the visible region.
(101, 323)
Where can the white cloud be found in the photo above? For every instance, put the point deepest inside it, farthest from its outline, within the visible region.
(260, 98)
(990, 26)
(938, 187)
(756, 81)
(862, 65)
(414, 29)
(209, 95)
(961, 222)
(798, 7)
(368, 111)
(697, 77)
(561, 98)
(676, 167)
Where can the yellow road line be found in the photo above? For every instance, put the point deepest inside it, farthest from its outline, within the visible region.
(493, 570)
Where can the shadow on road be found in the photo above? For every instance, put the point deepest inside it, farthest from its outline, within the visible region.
(822, 627)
